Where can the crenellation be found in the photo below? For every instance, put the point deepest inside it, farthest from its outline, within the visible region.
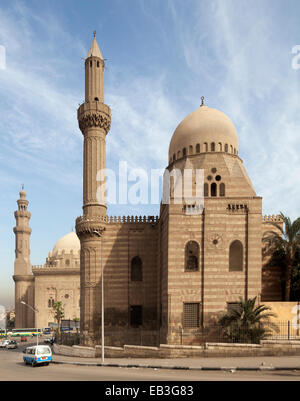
(272, 218)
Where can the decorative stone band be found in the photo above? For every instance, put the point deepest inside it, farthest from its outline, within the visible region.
(22, 213)
(89, 284)
(91, 227)
(273, 218)
(94, 114)
(26, 230)
(27, 277)
(122, 219)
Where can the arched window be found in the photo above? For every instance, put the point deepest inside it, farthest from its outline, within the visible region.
(192, 256)
(191, 150)
(184, 152)
(236, 256)
(205, 189)
(213, 189)
(222, 189)
(234, 151)
(91, 63)
(197, 148)
(226, 147)
(178, 154)
(50, 303)
(98, 64)
(220, 147)
(231, 149)
(174, 157)
(212, 146)
(205, 147)
(136, 269)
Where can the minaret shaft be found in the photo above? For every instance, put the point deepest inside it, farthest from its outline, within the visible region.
(94, 119)
(94, 79)
(23, 277)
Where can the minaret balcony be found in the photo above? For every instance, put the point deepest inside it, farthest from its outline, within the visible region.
(94, 114)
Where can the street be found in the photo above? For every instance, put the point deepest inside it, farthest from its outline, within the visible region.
(12, 368)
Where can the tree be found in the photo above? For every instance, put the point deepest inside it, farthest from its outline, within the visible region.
(247, 322)
(284, 244)
(58, 313)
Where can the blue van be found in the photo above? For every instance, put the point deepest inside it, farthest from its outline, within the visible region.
(37, 355)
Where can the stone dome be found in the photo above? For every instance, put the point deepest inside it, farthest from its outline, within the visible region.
(68, 243)
(204, 130)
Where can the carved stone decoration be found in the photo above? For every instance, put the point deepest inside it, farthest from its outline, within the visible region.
(89, 284)
(215, 240)
(89, 227)
(95, 119)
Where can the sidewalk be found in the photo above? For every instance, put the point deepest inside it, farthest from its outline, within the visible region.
(234, 363)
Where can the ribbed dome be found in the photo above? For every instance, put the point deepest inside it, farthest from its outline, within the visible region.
(68, 243)
(204, 130)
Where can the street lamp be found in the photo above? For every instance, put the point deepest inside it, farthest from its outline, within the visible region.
(35, 311)
(102, 297)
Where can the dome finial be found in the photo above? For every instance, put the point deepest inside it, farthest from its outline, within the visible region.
(94, 33)
(202, 101)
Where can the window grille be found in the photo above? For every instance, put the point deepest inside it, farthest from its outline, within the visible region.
(191, 315)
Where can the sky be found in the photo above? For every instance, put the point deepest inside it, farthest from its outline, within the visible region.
(161, 57)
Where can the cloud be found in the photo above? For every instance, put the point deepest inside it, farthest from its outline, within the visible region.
(248, 57)
(38, 125)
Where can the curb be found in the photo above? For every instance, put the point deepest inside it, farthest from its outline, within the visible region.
(201, 368)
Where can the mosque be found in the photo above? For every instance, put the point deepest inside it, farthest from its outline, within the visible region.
(161, 275)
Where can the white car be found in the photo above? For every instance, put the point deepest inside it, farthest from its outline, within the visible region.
(3, 344)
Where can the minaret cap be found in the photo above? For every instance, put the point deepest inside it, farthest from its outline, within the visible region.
(94, 50)
(22, 193)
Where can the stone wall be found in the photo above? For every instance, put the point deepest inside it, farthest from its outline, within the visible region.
(266, 348)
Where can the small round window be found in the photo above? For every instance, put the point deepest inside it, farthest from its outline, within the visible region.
(214, 170)
(218, 178)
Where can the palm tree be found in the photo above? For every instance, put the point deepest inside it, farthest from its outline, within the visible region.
(58, 313)
(285, 242)
(247, 322)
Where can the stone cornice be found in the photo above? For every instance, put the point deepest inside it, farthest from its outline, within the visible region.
(54, 271)
(20, 229)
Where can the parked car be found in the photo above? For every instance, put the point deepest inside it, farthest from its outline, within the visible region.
(4, 343)
(49, 341)
(12, 344)
(39, 354)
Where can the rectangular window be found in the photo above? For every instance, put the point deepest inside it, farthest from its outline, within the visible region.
(232, 306)
(191, 315)
(136, 315)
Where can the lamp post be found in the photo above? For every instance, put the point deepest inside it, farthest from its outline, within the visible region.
(35, 311)
(102, 297)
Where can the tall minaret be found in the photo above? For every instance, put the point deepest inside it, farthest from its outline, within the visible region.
(24, 279)
(94, 119)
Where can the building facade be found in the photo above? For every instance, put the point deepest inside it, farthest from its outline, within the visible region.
(160, 275)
